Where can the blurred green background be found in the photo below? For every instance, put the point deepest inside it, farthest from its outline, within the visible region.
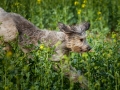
(46, 14)
(101, 66)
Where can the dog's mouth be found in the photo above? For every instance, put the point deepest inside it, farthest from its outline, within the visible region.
(80, 50)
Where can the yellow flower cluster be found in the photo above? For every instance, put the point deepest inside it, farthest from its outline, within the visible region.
(79, 11)
(16, 4)
(84, 1)
(8, 53)
(38, 1)
(99, 13)
(83, 5)
(114, 37)
(85, 55)
(76, 3)
(99, 18)
(41, 47)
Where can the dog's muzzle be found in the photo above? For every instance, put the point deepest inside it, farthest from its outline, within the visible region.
(89, 48)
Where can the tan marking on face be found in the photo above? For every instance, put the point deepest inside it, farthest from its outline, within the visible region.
(77, 43)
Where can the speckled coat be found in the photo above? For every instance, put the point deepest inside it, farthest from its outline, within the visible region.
(71, 38)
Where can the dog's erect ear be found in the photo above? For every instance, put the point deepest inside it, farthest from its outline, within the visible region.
(81, 27)
(65, 28)
(74, 29)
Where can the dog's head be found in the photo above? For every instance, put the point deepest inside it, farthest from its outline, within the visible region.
(76, 36)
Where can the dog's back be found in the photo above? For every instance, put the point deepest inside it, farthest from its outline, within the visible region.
(13, 24)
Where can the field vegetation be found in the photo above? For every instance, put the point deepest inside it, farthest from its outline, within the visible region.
(101, 66)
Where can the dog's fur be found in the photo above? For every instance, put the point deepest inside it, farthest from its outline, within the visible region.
(71, 38)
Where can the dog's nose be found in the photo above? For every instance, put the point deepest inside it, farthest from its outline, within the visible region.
(89, 48)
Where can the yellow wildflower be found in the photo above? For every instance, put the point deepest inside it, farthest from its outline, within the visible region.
(114, 41)
(38, 1)
(79, 11)
(6, 88)
(16, 4)
(99, 18)
(113, 35)
(9, 54)
(83, 5)
(41, 47)
(99, 13)
(84, 1)
(76, 3)
(84, 55)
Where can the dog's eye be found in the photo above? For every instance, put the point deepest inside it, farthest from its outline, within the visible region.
(81, 40)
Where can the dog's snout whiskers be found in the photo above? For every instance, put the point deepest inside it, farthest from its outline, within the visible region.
(89, 48)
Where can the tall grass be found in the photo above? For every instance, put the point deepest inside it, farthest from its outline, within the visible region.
(101, 66)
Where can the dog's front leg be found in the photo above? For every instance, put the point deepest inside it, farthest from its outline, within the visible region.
(74, 75)
(70, 72)
(61, 62)
(57, 56)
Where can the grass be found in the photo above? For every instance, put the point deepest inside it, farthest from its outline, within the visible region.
(101, 66)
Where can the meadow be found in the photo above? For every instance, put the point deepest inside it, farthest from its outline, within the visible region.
(101, 66)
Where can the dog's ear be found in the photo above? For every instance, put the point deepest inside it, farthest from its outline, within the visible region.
(74, 29)
(65, 28)
(81, 27)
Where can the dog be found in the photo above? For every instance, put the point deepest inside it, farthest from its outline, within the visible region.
(71, 39)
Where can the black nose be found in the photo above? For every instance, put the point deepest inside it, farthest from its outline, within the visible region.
(88, 48)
